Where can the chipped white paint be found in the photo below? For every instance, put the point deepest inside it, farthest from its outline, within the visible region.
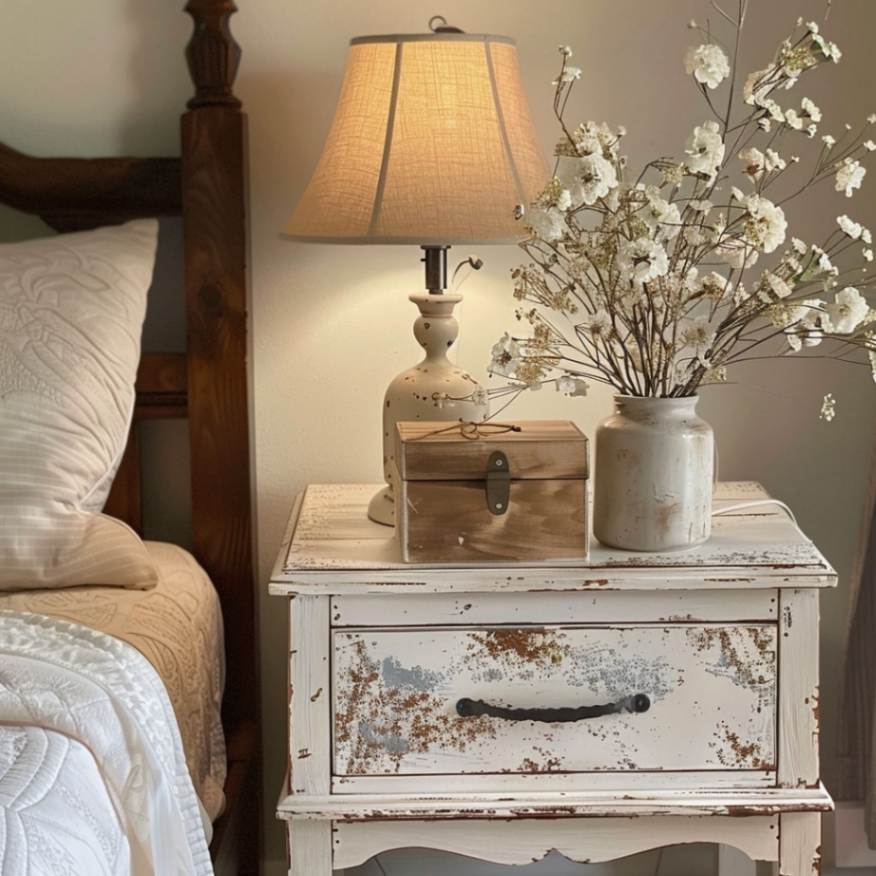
(798, 717)
(735, 803)
(310, 848)
(333, 548)
(525, 783)
(800, 844)
(716, 632)
(395, 696)
(613, 606)
(310, 736)
(522, 842)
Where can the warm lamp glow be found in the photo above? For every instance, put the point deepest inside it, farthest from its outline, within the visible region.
(432, 143)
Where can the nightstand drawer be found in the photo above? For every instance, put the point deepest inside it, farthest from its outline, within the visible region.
(676, 697)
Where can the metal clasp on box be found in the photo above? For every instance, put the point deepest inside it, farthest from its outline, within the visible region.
(498, 483)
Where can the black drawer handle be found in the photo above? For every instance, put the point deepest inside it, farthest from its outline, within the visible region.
(467, 708)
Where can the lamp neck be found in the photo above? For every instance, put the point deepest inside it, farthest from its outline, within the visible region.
(435, 259)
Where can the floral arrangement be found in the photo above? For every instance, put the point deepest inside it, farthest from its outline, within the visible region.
(656, 284)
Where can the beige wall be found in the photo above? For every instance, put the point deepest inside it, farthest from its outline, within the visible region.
(331, 325)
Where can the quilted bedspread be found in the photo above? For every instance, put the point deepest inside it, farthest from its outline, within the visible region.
(93, 778)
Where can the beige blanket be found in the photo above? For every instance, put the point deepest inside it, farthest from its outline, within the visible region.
(177, 626)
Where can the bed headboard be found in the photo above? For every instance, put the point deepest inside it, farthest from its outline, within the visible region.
(206, 185)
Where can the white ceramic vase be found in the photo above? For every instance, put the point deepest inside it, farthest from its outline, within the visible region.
(653, 475)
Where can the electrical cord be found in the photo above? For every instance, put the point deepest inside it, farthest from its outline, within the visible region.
(742, 506)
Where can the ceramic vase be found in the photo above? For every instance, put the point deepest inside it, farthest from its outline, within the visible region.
(653, 475)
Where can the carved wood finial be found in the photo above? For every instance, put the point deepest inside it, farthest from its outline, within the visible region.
(213, 54)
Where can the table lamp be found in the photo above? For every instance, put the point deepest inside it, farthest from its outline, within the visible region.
(432, 144)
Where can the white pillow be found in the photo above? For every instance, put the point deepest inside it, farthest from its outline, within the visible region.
(71, 313)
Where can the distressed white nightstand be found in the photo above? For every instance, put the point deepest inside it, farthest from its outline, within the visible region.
(640, 700)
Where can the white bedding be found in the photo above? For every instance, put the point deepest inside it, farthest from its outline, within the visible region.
(93, 777)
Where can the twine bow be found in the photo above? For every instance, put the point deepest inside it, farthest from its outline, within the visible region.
(472, 431)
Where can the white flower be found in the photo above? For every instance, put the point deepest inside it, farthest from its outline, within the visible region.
(660, 215)
(868, 255)
(766, 224)
(829, 141)
(828, 408)
(849, 176)
(793, 119)
(703, 206)
(571, 385)
(708, 64)
(774, 161)
(737, 194)
(587, 178)
(871, 119)
(547, 223)
(697, 333)
(737, 253)
(758, 85)
(715, 286)
(694, 235)
(480, 397)
(799, 246)
(810, 110)
(506, 356)
(847, 312)
(641, 260)
(847, 226)
(866, 235)
(869, 145)
(565, 51)
(754, 162)
(600, 323)
(569, 74)
(706, 150)
(828, 49)
(772, 285)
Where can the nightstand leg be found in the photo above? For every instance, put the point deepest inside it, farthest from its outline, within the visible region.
(800, 844)
(310, 848)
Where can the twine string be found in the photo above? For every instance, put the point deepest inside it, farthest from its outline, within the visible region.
(472, 431)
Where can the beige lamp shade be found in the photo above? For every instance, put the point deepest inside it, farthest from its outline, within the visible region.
(432, 143)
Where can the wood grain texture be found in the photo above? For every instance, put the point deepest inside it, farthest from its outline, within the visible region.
(524, 841)
(798, 671)
(215, 228)
(542, 449)
(214, 220)
(310, 701)
(449, 523)
(162, 386)
(310, 848)
(800, 844)
(72, 194)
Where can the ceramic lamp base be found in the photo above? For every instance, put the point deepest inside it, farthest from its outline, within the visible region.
(436, 389)
(381, 508)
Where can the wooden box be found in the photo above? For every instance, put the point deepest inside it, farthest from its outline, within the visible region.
(491, 496)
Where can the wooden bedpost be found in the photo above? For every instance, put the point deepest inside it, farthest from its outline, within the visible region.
(214, 196)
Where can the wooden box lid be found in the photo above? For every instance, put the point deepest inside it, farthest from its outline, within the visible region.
(541, 449)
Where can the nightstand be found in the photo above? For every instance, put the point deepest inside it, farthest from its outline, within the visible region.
(635, 701)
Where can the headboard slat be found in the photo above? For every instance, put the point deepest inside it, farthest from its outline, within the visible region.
(71, 194)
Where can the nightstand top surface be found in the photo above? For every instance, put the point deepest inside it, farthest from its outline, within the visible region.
(332, 547)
